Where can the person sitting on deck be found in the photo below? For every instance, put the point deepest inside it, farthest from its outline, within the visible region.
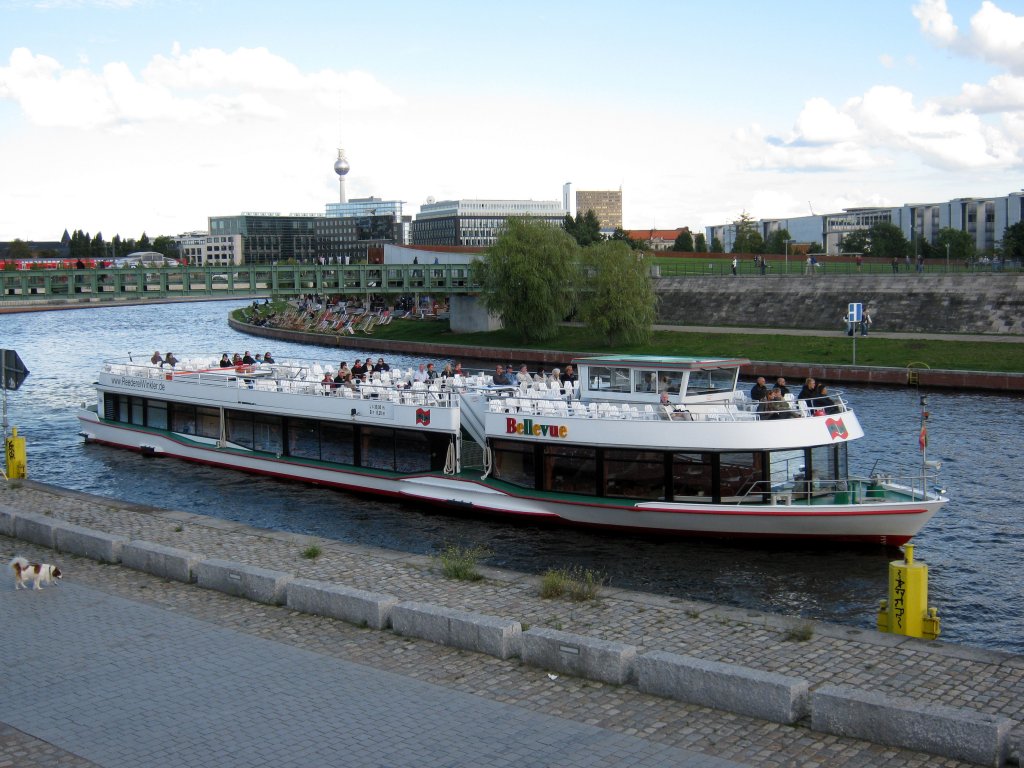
(358, 369)
(170, 359)
(267, 358)
(225, 361)
(156, 359)
(672, 412)
(501, 378)
(759, 391)
(327, 383)
(248, 359)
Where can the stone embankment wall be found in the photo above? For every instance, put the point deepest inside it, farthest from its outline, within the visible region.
(963, 303)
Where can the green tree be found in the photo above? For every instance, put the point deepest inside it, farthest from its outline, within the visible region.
(585, 228)
(622, 236)
(777, 241)
(616, 298)
(97, 248)
(19, 249)
(80, 245)
(888, 241)
(684, 242)
(748, 239)
(856, 242)
(143, 244)
(1011, 248)
(700, 243)
(716, 245)
(166, 245)
(528, 277)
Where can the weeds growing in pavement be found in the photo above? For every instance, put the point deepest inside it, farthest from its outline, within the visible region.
(461, 563)
(575, 582)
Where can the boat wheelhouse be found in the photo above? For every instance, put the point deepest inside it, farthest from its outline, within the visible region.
(640, 443)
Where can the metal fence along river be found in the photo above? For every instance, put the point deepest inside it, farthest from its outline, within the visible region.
(973, 546)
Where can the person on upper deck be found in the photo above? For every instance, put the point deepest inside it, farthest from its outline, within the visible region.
(780, 386)
(267, 358)
(421, 376)
(501, 378)
(170, 359)
(759, 391)
(447, 372)
(524, 377)
(248, 359)
(809, 391)
(569, 375)
(431, 372)
(156, 359)
(358, 369)
(381, 366)
(825, 402)
(225, 361)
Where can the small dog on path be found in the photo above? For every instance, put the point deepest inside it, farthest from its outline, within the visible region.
(40, 573)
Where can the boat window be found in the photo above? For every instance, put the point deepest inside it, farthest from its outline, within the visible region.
(378, 448)
(738, 473)
(645, 381)
(336, 443)
(183, 418)
(207, 421)
(267, 434)
(304, 438)
(110, 407)
(156, 414)
(609, 379)
(513, 462)
(570, 469)
(418, 451)
(716, 380)
(691, 475)
(238, 427)
(137, 410)
(785, 466)
(634, 474)
(827, 466)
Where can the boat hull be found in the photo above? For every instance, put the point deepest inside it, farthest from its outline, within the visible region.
(888, 523)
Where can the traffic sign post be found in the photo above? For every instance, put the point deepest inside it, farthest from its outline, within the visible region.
(854, 317)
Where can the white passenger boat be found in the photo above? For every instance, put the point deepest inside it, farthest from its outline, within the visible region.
(604, 452)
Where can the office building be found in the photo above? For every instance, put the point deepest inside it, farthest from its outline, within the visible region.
(606, 205)
(476, 223)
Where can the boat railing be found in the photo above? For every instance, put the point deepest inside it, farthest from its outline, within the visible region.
(513, 400)
(288, 378)
(871, 489)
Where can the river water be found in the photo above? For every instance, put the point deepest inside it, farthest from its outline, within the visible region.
(973, 546)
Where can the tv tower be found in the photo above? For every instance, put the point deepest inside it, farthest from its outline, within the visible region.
(341, 167)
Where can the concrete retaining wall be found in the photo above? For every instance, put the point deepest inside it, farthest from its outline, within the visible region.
(459, 629)
(356, 606)
(766, 695)
(579, 655)
(96, 545)
(961, 303)
(261, 585)
(165, 562)
(37, 529)
(7, 516)
(958, 733)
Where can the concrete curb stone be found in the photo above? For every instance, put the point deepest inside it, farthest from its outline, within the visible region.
(261, 585)
(336, 601)
(459, 629)
(166, 562)
(604, 660)
(96, 545)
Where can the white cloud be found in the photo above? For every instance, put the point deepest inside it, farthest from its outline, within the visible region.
(999, 36)
(206, 85)
(886, 60)
(1003, 93)
(936, 21)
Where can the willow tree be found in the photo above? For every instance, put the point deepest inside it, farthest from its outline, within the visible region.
(528, 277)
(616, 299)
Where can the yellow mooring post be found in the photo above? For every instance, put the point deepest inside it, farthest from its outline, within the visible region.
(14, 448)
(906, 612)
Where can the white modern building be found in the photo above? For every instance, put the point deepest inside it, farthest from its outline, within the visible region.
(476, 223)
(984, 218)
(202, 250)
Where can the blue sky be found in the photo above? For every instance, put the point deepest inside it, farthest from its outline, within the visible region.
(128, 115)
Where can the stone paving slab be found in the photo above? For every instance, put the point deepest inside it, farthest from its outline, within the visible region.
(617, 709)
(981, 680)
(137, 686)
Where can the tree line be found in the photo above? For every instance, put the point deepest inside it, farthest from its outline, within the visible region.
(83, 246)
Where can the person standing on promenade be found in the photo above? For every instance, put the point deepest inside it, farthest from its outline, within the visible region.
(735, 263)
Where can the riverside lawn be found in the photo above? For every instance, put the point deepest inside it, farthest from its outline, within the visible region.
(873, 350)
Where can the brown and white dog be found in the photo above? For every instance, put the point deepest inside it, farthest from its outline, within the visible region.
(40, 573)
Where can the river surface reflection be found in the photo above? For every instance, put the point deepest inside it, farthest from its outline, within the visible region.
(972, 547)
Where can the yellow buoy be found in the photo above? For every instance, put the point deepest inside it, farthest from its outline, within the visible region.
(906, 612)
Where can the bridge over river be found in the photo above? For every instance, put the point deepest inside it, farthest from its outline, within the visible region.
(86, 286)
